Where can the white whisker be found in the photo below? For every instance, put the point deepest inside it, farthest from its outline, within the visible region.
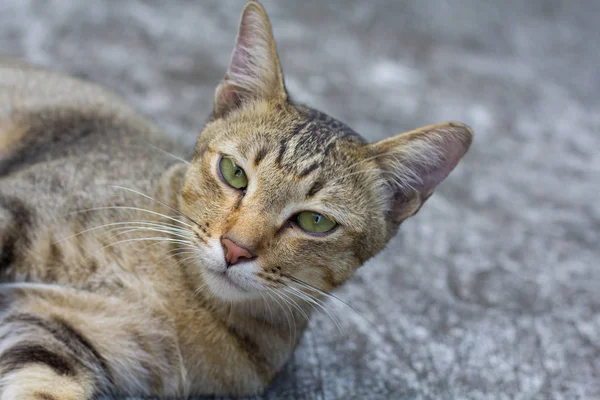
(272, 292)
(179, 253)
(172, 226)
(294, 304)
(164, 239)
(169, 154)
(268, 305)
(158, 201)
(156, 244)
(327, 295)
(134, 209)
(187, 259)
(144, 228)
(320, 304)
(199, 290)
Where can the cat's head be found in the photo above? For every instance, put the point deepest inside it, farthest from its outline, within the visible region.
(283, 193)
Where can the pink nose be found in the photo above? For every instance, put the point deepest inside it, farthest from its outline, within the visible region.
(235, 253)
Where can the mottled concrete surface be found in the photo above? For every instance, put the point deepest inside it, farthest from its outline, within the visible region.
(493, 290)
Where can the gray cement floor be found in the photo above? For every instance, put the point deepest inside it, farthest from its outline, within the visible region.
(493, 290)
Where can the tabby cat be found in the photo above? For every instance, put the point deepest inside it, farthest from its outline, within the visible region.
(125, 271)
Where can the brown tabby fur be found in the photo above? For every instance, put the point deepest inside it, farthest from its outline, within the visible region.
(147, 305)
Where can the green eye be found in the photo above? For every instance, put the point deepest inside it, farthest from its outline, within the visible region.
(233, 174)
(314, 222)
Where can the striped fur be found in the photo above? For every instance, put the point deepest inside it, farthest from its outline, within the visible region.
(113, 278)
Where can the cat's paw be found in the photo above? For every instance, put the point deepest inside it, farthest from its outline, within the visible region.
(39, 382)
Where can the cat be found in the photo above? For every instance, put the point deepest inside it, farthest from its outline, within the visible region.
(128, 272)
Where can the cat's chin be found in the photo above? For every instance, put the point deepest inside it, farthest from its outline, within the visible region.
(225, 287)
(235, 283)
(231, 284)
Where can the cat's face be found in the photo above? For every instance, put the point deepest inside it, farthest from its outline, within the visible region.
(304, 202)
(284, 195)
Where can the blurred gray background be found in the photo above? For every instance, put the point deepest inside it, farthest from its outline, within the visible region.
(493, 290)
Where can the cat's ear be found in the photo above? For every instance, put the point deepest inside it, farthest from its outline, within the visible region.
(254, 71)
(414, 163)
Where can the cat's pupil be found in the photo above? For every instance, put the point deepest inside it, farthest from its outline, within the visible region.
(317, 218)
(238, 171)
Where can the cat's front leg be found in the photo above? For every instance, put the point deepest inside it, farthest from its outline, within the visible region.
(42, 355)
(59, 343)
(37, 380)
(43, 358)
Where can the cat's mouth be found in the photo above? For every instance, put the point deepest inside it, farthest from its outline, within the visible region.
(223, 277)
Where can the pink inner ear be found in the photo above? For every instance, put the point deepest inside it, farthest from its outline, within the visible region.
(432, 175)
(251, 45)
(228, 97)
(240, 60)
(254, 72)
(420, 160)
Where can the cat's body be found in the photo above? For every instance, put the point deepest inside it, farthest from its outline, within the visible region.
(153, 315)
(112, 268)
